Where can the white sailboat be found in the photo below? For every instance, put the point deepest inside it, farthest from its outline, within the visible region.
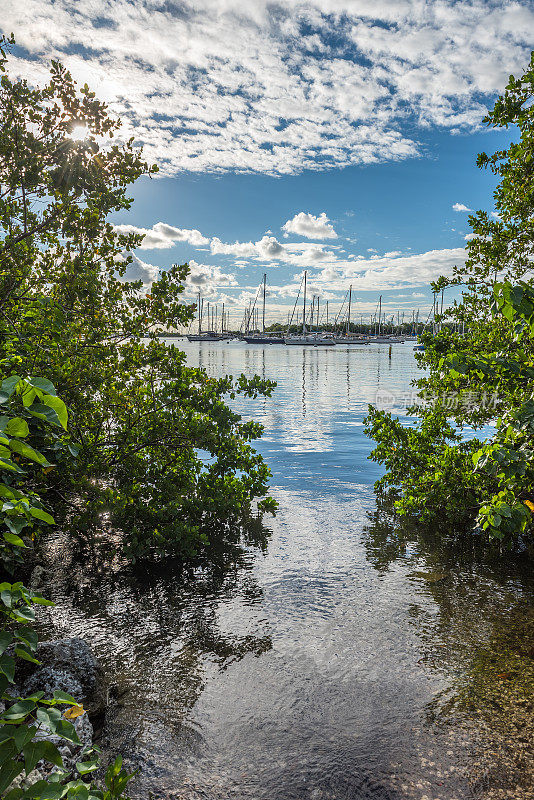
(316, 339)
(263, 338)
(348, 337)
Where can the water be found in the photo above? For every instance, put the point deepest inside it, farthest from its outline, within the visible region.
(318, 668)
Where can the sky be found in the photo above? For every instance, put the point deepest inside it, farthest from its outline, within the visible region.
(333, 136)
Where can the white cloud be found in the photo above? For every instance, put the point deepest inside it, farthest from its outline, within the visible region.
(462, 207)
(310, 226)
(140, 271)
(268, 247)
(208, 279)
(162, 236)
(277, 89)
(392, 254)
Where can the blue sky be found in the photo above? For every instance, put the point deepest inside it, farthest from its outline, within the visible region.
(336, 136)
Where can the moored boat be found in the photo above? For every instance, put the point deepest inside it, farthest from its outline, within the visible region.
(263, 339)
(315, 339)
(352, 340)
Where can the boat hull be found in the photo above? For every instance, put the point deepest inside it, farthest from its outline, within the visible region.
(204, 338)
(314, 341)
(263, 339)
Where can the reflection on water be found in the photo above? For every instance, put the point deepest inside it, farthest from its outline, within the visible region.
(314, 668)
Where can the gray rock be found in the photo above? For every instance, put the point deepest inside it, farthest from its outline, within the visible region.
(68, 665)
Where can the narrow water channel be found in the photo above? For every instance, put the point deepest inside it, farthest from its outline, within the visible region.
(324, 665)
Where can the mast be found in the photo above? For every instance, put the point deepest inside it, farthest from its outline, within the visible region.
(304, 305)
(327, 314)
(348, 315)
(380, 315)
(264, 290)
(199, 316)
(317, 312)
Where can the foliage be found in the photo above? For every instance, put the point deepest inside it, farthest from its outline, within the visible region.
(25, 404)
(161, 457)
(479, 365)
(31, 414)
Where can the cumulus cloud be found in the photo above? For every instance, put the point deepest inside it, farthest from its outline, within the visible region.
(386, 272)
(141, 271)
(311, 227)
(270, 88)
(268, 247)
(162, 236)
(461, 207)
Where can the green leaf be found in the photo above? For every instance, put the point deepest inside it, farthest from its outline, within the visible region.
(59, 407)
(35, 751)
(5, 640)
(44, 384)
(8, 750)
(7, 666)
(28, 636)
(23, 734)
(38, 600)
(38, 513)
(25, 450)
(6, 463)
(6, 595)
(52, 718)
(24, 614)
(63, 697)
(17, 427)
(44, 790)
(15, 525)
(8, 773)
(85, 767)
(41, 411)
(78, 789)
(23, 653)
(13, 539)
(7, 387)
(19, 710)
(14, 794)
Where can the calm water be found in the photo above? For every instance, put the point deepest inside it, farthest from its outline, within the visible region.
(313, 669)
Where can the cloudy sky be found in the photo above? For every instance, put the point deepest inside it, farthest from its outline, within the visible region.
(337, 136)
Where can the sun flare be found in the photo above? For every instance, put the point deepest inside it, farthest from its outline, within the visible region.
(79, 133)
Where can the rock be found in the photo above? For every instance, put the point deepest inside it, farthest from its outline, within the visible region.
(38, 578)
(23, 781)
(68, 665)
(48, 679)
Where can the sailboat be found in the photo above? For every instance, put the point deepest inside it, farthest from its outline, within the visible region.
(315, 339)
(263, 338)
(209, 336)
(348, 337)
(384, 338)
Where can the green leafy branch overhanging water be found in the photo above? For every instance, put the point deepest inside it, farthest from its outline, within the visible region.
(484, 348)
(162, 457)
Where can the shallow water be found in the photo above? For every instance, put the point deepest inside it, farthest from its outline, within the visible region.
(314, 669)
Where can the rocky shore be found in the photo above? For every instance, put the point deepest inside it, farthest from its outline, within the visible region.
(70, 666)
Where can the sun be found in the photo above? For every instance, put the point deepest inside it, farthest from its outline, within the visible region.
(79, 133)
